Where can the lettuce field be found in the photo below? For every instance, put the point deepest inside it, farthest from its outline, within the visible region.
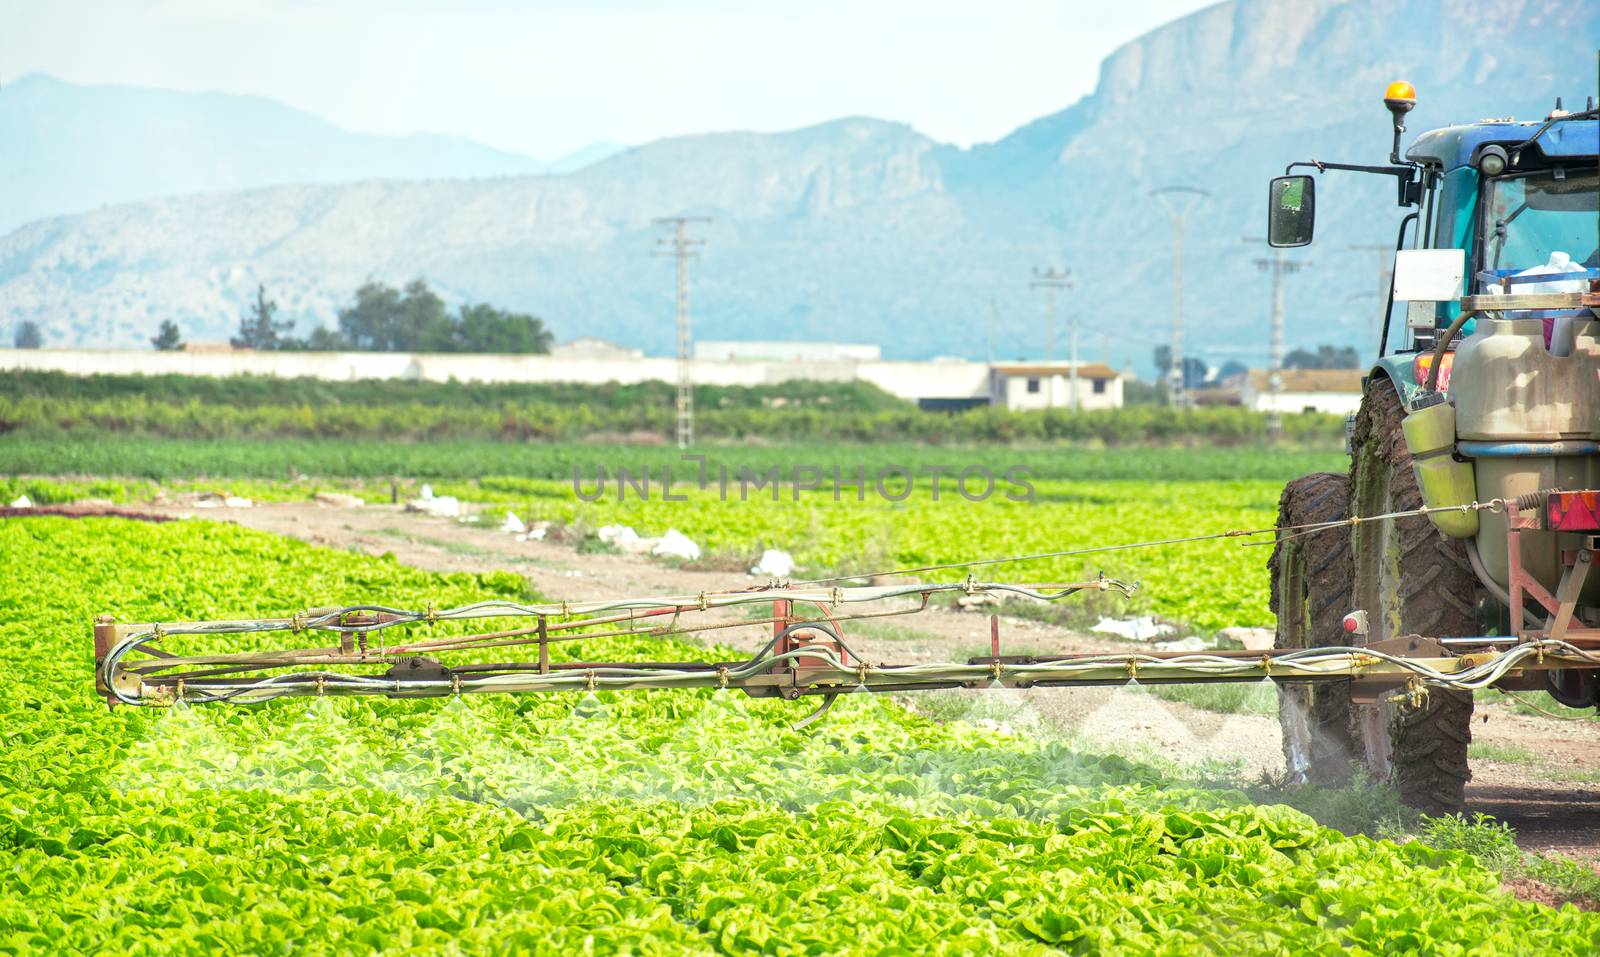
(1080, 498)
(673, 822)
(1207, 585)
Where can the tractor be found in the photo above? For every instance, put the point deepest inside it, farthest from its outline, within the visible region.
(1478, 436)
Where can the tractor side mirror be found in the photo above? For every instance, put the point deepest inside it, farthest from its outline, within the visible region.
(1292, 211)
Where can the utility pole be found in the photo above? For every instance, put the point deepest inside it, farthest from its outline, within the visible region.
(1279, 267)
(1179, 202)
(1385, 264)
(683, 249)
(1050, 280)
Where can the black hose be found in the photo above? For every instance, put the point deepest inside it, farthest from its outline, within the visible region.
(1444, 342)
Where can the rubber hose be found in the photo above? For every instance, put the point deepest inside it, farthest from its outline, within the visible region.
(1444, 341)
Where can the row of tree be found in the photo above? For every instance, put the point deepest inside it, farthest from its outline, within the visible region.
(385, 319)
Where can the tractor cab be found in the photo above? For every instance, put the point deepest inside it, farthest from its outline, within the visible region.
(1499, 207)
(1521, 204)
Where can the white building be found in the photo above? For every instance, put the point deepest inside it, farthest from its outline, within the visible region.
(1037, 385)
(1304, 390)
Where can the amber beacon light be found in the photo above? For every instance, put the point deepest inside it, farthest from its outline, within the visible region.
(1400, 97)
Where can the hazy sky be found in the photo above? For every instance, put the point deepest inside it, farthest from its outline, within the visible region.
(548, 76)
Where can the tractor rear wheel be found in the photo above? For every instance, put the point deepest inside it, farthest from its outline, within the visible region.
(1311, 593)
(1410, 579)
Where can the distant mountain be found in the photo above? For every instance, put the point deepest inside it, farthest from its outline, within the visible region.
(66, 148)
(866, 231)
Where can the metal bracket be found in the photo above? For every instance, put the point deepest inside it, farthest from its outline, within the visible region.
(418, 669)
(1567, 592)
(1368, 690)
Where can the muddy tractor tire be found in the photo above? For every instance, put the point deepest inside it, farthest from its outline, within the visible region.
(1312, 588)
(1411, 580)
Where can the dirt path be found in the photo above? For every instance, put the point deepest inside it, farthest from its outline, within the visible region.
(1541, 774)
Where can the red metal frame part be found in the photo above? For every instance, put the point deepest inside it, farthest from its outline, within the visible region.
(1563, 511)
(783, 617)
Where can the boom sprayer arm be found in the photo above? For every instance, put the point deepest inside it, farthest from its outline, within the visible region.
(377, 655)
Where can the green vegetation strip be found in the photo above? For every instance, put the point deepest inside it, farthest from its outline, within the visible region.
(667, 823)
(246, 407)
(162, 459)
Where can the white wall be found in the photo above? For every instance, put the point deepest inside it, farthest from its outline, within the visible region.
(928, 380)
(1339, 403)
(798, 351)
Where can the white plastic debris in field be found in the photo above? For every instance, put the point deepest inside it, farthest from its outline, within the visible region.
(619, 535)
(677, 545)
(774, 562)
(426, 493)
(22, 501)
(977, 601)
(235, 501)
(442, 506)
(1191, 643)
(1133, 629)
(1253, 639)
(513, 524)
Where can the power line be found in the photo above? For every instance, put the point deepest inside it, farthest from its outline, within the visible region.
(683, 249)
(1051, 280)
(1190, 199)
(1279, 267)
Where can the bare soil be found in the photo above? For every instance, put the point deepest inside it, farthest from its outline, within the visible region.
(1531, 890)
(82, 510)
(1546, 782)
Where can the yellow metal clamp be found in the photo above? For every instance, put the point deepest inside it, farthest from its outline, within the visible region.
(1416, 693)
